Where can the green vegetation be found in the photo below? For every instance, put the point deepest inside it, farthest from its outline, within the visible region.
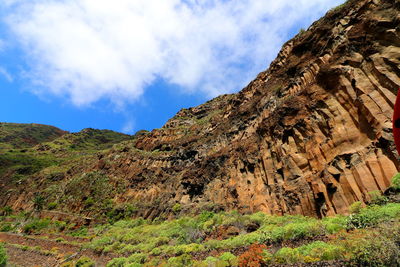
(23, 164)
(3, 256)
(17, 135)
(370, 236)
(181, 238)
(377, 198)
(84, 262)
(87, 139)
(396, 182)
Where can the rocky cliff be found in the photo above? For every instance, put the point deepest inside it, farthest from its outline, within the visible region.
(311, 135)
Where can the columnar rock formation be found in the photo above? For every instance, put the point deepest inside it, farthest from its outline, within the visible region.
(311, 135)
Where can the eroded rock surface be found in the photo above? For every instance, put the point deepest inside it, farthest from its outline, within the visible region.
(311, 135)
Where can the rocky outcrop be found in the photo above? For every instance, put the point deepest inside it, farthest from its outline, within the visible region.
(311, 135)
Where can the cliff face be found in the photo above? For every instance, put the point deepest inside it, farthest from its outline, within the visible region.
(311, 135)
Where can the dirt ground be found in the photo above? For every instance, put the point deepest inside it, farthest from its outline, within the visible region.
(29, 257)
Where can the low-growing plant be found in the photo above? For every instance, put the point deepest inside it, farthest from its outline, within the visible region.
(117, 262)
(373, 249)
(287, 255)
(6, 211)
(396, 182)
(371, 216)
(377, 198)
(36, 226)
(85, 262)
(253, 257)
(121, 212)
(229, 259)
(3, 256)
(177, 208)
(355, 207)
(52, 205)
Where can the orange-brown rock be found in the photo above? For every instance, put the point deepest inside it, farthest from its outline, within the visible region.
(311, 135)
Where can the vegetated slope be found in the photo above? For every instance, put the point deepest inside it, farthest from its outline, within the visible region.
(19, 135)
(370, 236)
(22, 165)
(311, 135)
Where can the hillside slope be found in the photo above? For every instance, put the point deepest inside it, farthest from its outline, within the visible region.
(310, 135)
(18, 135)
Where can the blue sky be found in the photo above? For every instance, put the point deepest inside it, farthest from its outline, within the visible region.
(130, 65)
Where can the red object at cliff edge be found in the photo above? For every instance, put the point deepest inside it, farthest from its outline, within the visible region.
(396, 122)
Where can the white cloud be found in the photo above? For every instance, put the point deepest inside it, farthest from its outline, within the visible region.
(92, 49)
(6, 74)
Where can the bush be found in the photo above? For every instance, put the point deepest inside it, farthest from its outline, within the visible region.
(322, 250)
(117, 262)
(137, 258)
(312, 252)
(121, 212)
(177, 208)
(287, 255)
(181, 261)
(85, 262)
(36, 226)
(253, 257)
(38, 202)
(375, 249)
(229, 258)
(371, 216)
(52, 205)
(355, 207)
(396, 182)
(7, 211)
(3, 256)
(377, 198)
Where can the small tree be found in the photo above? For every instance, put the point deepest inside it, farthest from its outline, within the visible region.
(38, 202)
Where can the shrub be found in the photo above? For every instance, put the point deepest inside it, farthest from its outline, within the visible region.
(7, 211)
(137, 258)
(3, 256)
(322, 250)
(38, 202)
(229, 259)
(36, 226)
(6, 227)
(121, 212)
(177, 208)
(356, 207)
(377, 198)
(52, 205)
(253, 257)
(85, 262)
(181, 261)
(117, 262)
(396, 182)
(287, 255)
(370, 216)
(375, 249)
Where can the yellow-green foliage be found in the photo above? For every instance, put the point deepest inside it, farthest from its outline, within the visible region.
(185, 236)
(85, 262)
(396, 182)
(315, 251)
(356, 207)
